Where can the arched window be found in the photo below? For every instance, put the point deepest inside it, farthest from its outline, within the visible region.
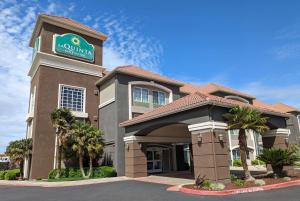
(237, 98)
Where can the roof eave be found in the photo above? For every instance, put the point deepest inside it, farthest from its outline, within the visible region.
(210, 102)
(43, 18)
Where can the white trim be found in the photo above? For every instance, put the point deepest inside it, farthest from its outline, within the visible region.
(107, 103)
(298, 118)
(78, 114)
(156, 139)
(277, 132)
(208, 125)
(145, 83)
(53, 61)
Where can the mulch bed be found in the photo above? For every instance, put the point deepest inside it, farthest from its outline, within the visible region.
(248, 184)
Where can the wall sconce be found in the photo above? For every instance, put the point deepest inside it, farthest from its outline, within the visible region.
(199, 138)
(127, 146)
(221, 137)
(141, 145)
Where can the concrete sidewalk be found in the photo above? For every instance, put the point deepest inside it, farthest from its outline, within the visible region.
(62, 183)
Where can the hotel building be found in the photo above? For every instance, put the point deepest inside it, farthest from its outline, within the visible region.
(151, 123)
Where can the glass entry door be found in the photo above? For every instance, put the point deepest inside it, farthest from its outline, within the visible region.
(154, 160)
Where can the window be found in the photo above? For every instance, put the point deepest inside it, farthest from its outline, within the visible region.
(72, 98)
(234, 132)
(141, 95)
(159, 98)
(298, 121)
(32, 100)
(236, 154)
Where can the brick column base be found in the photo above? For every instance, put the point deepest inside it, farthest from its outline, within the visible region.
(210, 154)
(135, 160)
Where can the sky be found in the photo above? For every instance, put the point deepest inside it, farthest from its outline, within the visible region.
(253, 46)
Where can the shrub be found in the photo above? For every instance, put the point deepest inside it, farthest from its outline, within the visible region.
(206, 184)
(259, 182)
(257, 162)
(233, 177)
(105, 171)
(239, 182)
(278, 158)
(2, 175)
(11, 174)
(98, 172)
(287, 178)
(237, 163)
(217, 186)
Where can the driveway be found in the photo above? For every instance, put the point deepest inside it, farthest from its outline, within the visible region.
(131, 191)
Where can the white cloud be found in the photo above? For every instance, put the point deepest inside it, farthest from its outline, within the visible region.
(288, 51)
(17, 18)
(287, 94)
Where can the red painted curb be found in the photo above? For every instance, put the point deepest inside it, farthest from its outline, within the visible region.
(241, 190)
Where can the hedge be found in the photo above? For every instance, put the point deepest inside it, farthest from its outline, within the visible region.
(98, 172)
(9, 174)
(257, 162)
(237, 163)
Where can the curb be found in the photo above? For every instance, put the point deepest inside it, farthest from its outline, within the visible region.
(242, 190)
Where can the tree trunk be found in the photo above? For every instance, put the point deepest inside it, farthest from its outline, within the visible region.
(58, 162)
(81, 163)
(91, 167)
(243, 153)
(21, 169)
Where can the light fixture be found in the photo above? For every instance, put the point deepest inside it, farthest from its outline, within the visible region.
(221, 137)
(127, 146)
(199, 138)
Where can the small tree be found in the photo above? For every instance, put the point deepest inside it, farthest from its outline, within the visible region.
(87, 139)
(245, 118)
(278, 158)
(18, 150)
(62, 120)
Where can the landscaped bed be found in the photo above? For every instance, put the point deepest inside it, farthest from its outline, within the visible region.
(239, 186)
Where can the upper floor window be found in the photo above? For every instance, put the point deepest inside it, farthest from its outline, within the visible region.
(140, 95)
(298, 120)
(72, 98)
(159, 98)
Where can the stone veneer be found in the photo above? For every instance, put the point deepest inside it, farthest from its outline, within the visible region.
(135, 160)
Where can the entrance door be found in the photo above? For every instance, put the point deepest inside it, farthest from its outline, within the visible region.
(154, 160)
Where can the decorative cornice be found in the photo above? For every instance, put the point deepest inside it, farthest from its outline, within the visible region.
(156, 139)
(63, 63)
(209, 125)
(277, 132)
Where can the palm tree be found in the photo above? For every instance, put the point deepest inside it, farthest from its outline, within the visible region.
(87, 139)
(245, 118)
(18, 150)
(62, 120)
(94, 146)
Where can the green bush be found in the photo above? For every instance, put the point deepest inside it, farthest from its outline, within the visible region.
(257, 162)
(239, 182)
(278, 158)
(98, 172)
(2, 175)
(237, 163)
(11, 174)
(233, 177)
(206, 184)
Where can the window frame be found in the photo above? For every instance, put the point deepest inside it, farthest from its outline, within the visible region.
(159, 92)
(76, 87)
(298, 118)
(141, 96)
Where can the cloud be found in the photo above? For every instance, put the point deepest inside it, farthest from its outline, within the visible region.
(287, 94)
(288, 51)
(124, 46)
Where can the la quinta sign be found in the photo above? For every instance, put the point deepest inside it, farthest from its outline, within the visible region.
(73, 45)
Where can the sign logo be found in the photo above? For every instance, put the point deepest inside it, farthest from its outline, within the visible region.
(74, 46)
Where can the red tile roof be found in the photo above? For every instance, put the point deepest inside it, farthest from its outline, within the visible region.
(285, 108)
(195, 100)
(139, 72)
(212, 88)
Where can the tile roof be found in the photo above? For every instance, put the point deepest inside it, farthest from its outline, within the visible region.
(285, 108)
(139, 72)
(212, 88)
(195, 100)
